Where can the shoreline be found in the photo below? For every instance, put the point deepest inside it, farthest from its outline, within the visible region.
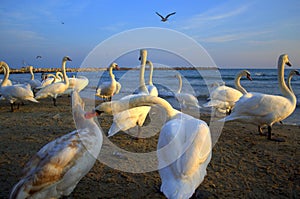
(243, 164)
(87, 69)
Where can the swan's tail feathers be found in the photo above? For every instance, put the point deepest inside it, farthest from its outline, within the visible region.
(114, 128)
(32, 100)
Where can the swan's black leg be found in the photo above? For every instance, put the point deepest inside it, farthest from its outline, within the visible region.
(269, 132)
(273, 139)
(260, 131)
(54, 101)
(12, 107)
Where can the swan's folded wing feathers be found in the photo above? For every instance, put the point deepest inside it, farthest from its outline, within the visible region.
(50, 164)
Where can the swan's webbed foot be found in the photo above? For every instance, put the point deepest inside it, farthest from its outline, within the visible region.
(273, 139)
(260, 131)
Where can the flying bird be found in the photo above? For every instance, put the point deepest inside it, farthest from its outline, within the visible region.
(164, 19)
(39, 56)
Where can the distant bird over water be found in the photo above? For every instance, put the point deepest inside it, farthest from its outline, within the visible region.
(38, 57)
(164, 19)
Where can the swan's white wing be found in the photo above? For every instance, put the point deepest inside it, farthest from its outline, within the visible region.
(51, 90)
(225, 93)
(187, 99)
(128, 119)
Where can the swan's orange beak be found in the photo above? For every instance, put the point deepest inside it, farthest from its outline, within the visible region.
(89, 115)
(249, 77)
(117, 67)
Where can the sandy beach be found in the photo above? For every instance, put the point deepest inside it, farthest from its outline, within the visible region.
(243, 165)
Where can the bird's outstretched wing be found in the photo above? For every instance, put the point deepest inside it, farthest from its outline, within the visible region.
(173, 13)
(159, 15)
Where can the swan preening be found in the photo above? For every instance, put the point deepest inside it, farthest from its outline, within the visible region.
(262, 109)
(13, 93)
(223, 98)
(108, 89)
(56, 169)
(58, 88)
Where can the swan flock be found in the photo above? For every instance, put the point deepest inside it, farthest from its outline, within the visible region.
(184, 146)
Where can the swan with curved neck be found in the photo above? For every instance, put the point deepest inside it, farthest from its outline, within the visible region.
(13, 93)
(34, 83)
(135, 116)
(150, 87)
(5, 81)
(223, 98)
(263, 109)
(186, 100)
(58, 88)
(184, 145)
(56, 169)
(108, 89)
(291, 74)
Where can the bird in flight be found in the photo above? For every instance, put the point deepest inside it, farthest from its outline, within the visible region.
(39, 56)
(164, 19)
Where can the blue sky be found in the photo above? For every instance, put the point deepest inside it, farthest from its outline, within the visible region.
(235, 33)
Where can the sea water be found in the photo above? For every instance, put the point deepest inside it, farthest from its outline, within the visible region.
(196, 82)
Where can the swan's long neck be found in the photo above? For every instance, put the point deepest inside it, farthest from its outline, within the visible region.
(112, 76)
(54, 77)
(237, 83)
(180, 83)
(282, 85)
(142, 71)
(114, 107)
(31, 72)
(6, 73)
(63, 68)
(151, 73)
(289, 79)
(59, 75)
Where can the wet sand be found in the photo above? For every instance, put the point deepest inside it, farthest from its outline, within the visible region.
(243, 165)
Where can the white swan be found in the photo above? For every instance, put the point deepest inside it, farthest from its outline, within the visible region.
(13, 93)
(184, 145)
(56, 168)
(57, 88)
(108, 89)
(125, 120)
(34, 83)
(223, 98)
(77, 83)
(186, 100)
(150, 87)
(262, 109)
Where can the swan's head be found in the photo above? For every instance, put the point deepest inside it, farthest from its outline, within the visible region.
(247, 74)
(67, 58)
(114, 66)
(149, 63)
(284, 58)
(294, 72)
(105, 107)
(143, 54)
